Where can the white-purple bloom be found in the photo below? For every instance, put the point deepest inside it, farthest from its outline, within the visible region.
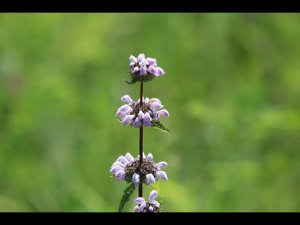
(127, 168)
(134, 114)
(147, 120)
(136, 179)
(127, 99)
(137, 122)
(162, 174)
(150, 178)
(141, 115)
(151, 206)
(149, 157)
(120, 175)
(151, 61)
(127, 119)
(161, 164)
(144, 66)
(132, 60)
(123, 111)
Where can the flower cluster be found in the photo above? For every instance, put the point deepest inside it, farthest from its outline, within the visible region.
(127, 168)
(144, 66)
(144, 112)
(135, 114)
(150, 206)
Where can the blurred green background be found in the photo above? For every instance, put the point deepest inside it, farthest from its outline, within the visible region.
(232, 89)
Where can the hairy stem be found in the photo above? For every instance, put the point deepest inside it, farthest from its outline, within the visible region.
(141, 140)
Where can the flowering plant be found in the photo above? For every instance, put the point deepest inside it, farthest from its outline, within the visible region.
(145, 112)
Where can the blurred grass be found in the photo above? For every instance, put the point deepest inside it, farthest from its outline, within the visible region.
(232, 90)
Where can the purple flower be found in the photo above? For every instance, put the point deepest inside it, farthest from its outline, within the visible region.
(151, 206)
(161, 164)
(144, 66)
(160, 71)
(123, 111)
(150, 178)
(127, 99)
(132, 60)
(149, 157)
(156, 105)
(136, 179)
(151, 61)
(118, 167)
(127, 119)
(162, 175)
(127, 168)
(147, 120)
(134, 114)
(120, 175)
(137, 122)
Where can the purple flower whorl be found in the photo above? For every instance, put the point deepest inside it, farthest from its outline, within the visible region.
(144, 69)
(127, 168)
(136, 115)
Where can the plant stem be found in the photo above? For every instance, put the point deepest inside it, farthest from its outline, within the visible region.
(141, 140)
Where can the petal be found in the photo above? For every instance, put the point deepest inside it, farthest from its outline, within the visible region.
(129, 157)
(155, 115)
(147, 120)
(127, 119)
(142, 206)
(146, 100)
(150, 178)
(141, 115)
(143, 70)
(151, 61)
(153, 194)
(139, 200)
(120, 175)
(155, 100)
(149, 157)
(161, 164)
(136, 69)
(124, 108)
(141, 57)
(156, 106)
(137, 122)
(117, 163)
(135, 179)
(163, 112)
(132, 59)
(122, 159)
(162, 175)
(150, 208)
(152, 70)
(116, 169)
(127, 99)
(160, 71)
(121, 114)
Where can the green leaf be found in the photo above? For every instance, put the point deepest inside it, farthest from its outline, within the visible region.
(159, 125)
(126, 196)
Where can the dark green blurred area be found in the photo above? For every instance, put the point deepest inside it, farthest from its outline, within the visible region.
(232, 89)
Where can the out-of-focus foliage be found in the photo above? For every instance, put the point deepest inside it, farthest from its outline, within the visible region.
(232, 89)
